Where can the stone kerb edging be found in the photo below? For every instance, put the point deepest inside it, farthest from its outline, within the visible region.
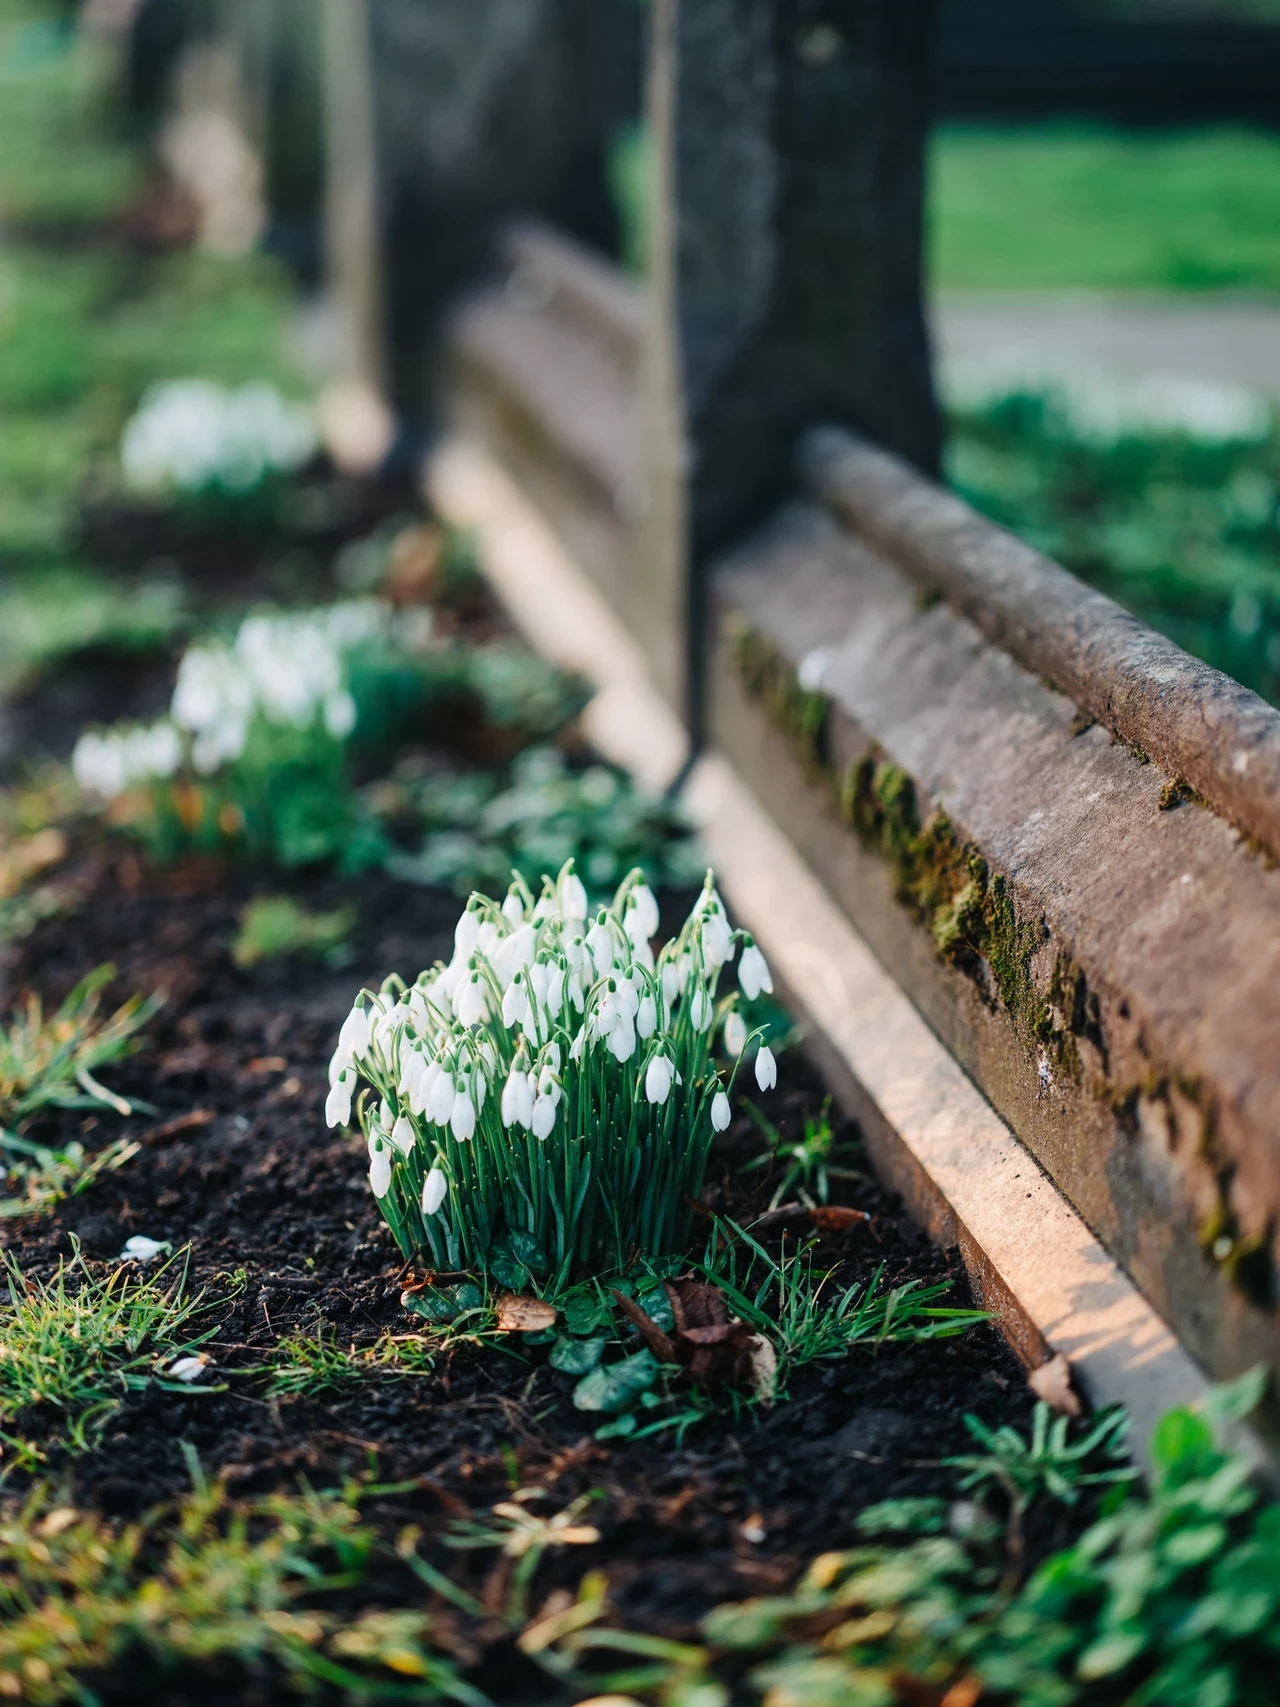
(1200, 726)
(1100, 955)
(1031, 1256)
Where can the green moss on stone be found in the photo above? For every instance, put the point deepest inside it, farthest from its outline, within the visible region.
(801, 715)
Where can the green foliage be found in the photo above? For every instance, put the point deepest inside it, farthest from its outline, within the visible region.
(51, 1062)
(50, 615)
(1050, 1464)
(1178, 527)
(60, 168)
(808, 1166)
(806, 1318)
(1169, 1598)
(250, 1584)
(525, 1536)
(316, 1363)
(74, 1345)
(482, 826)
(1054, 207)
(275, 925)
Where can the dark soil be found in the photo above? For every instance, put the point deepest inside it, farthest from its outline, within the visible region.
(263, 1193)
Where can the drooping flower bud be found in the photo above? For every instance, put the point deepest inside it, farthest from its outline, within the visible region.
(462, 1117)
(544, 1116)
(403, 1135)
(766, 1068)
(380, 1171)
(753, 972)
(658, 1078)
(435, 1189)
(353, 1039)
(337, 1107)
(735, 1034)
(721, 1114)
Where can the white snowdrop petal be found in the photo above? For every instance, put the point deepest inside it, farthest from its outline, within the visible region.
(766, 1068)
(720, 1111)
(380, 1172)
(434, 1191)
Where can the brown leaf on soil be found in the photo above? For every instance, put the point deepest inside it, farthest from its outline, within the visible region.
(711, 1347)
(833, 1218)
(520, 1314)
(1052, 1383)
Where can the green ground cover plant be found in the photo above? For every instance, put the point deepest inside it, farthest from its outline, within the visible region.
(276, 925)
(247, 1587)
(1075, 207)
(483, 825)
(1168, 1598)
(65, 165)
(74, 1346)
(1165, 497)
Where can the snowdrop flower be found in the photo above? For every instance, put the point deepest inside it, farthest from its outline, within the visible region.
(659, 1078)
(188, 1369)
(471, 1001)
(601, 945)
(353, 1039)
(544, 1116)
(700, 1009)
(337, 1107)
(141, 1249)
(462, 1116)
(441, 1100)
(721, 1114)
(642, 914)
(646, 1017)
(434, 1191)
(766, 1068)
(735, 1033)
(753, 971)
(339, 712)
(380, 1171)
(517, 1099)
(465, 935)
(572, 895)
(717, 938)
(403, 1135)
(622, 1038)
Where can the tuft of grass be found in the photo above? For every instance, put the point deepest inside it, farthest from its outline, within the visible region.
(1057, 1462)
(246, 1584)
(809, 1320)
(71, 1348)
(808, 1165)
(275, 925)
(50, 1062)
(524, 1536)
(316, 1363)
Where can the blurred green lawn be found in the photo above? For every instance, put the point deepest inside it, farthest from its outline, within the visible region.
(1057, 207)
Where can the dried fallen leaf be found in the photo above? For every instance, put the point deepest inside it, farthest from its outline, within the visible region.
(713, 1348)
(764, 1368)
(833, 1218)
(1052, 1383)
(520, 1314)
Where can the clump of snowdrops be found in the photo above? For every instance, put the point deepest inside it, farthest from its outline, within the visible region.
(195, 438)
(253, 749)
(551, 1095)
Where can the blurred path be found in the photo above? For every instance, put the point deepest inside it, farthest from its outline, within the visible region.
(1233, 342)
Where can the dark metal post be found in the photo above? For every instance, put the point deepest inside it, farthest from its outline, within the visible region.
(484, 110)
(788, 141)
